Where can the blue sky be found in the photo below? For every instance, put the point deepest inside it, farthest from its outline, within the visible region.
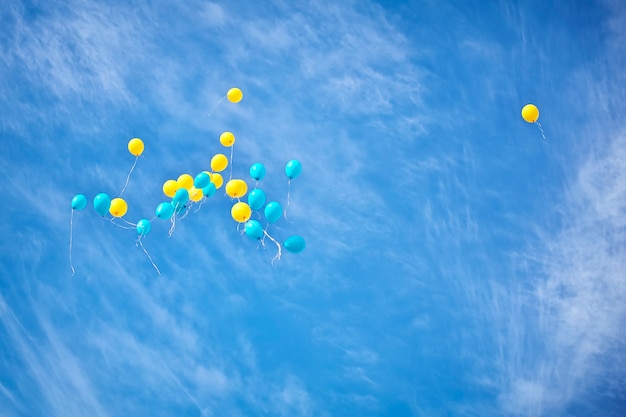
(457, 264)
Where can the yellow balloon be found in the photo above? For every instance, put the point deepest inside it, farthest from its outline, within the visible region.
(185, 181)
(195, 194)
(234, 95)
(118, 207)
(135, 146)
(227, 139)
(219, 162)
(170, 187)
(530, 113)
(236, 188)
(217, 179)
(241, 212)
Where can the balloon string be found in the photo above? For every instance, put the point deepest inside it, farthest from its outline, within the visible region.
(71, 226)
(200, 204)
(148, 255)
(128, 176)
(540, 129)
(112, 220)
(128, 223)
(173, 220)
(279, 254)
(188, 208)
(218, 102)
(288, 197)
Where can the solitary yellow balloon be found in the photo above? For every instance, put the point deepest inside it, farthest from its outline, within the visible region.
(219, 162)
(185, 181)
(241, 212)
(217, 180)
(234, 95)
(227, 139)
(170, 187)
(135, 146)
(195, 194)
(236, 188)
(118, 207)
(530, 113)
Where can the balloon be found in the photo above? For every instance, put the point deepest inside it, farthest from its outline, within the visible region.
(209, 190)
(118, 207)
(202, 180)
(256, 199)
(219, 163)
(241, 212)
(179, 208)
(530, 113)
(293, 168)
(170, 187)
(102, 203)
(227, 139)
(164, 210)
(195, 194)
(294, 244)
(257, 171)
(273, 211)
(79, 202)
(135, 146)
(236, 188)
(254, 230)
(217, 179)
(181, 197)
(234, 95)
(143, 227)
(185, 181)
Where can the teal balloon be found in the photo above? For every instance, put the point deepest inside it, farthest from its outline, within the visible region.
(273, 211)
(201, 180)
(164, 210)
(79, 202)
(209, 190)
(256, 199)
(180, 197)
(144, 226)
(254, 230)
(102, 203)
(257, 171)
(294, 244)
(293, 168)
(180, 207)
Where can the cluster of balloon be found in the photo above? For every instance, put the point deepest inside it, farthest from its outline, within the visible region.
(186, 190)
(530, 113)
(272, 211)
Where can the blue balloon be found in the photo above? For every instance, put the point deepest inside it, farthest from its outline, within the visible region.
(180, 207)
(102, 203)
(254, 230)
(209, 190)
(144, 227)
(257, 171)
(201, 180)
(79, 202)
(294, 244)
(293, 168)
(256, 199)
(164, 210)
(180, 197)
(273, 211)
